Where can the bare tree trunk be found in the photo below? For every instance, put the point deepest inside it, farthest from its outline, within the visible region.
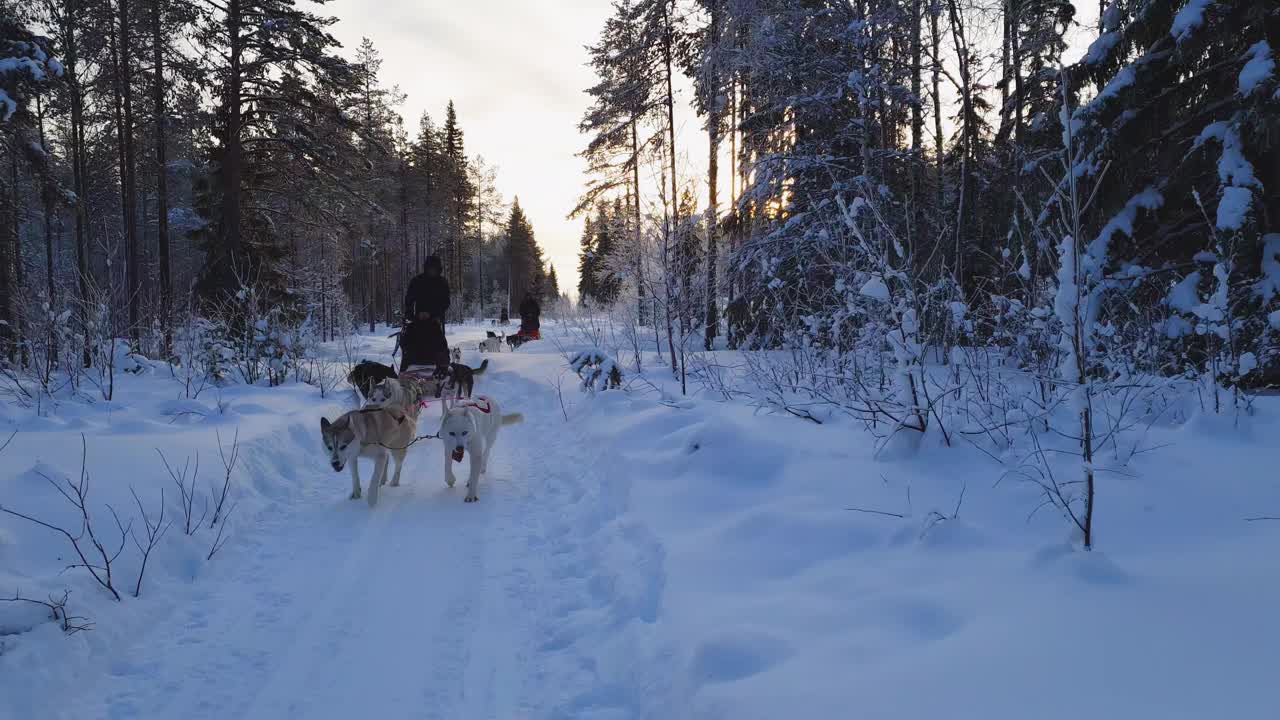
(917, 124)
(480, 246)
(1005, 59)
(8, 300)
(1015, 57)
(668, 41)
(733, 191)
(19, 280)
(639, 238)
(967, 130)
(79, 171)
(713, 168)
(935, 45)
(712, 321)
(47, 197)
(324, 297)
(128, 176)
(667, 272)
(386, 284)
(162, 184)
(232, 166)
(404, 235)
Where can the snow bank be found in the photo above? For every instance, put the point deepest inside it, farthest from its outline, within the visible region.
(805, 578)
(123, 440)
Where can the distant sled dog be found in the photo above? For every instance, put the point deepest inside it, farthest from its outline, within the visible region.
(472, 426)
(460, 382)
(376, 433)
(491, 344)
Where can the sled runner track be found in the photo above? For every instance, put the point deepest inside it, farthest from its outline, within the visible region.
(523, 605)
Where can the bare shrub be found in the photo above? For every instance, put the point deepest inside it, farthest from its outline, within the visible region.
(84, 540)
(57, 607)
(185, 480)
(155, 530)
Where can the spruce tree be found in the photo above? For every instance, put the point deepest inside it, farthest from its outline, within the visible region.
(587, 263)
(262, 49)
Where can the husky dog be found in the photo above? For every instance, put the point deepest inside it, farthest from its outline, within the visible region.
(461, 380)
(472, 425)
(425, 381)
(493, 343)
(365, 375)
(404, 394)
(373, 433)
(455, 355)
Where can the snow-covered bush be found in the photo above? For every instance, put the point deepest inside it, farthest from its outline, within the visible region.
(597, 370)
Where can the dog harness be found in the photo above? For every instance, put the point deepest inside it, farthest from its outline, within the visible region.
(399, 418)
(485, 408)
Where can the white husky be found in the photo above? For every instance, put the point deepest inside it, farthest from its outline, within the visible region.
(472, 425)
(373, 433)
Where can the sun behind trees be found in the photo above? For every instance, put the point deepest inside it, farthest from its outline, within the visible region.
(163, 158)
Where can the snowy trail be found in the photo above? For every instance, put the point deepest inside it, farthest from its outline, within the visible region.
(341, 605)
(423, 607)
(636, 555)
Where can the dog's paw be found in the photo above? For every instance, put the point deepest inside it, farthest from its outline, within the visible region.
(471, 498)
(354, 496)
(450, 483)
(395, 483)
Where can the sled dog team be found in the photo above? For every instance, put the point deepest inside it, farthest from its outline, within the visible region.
(387, 425)
(384, 428)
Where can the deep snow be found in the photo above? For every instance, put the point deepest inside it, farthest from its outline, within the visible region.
(650, 557)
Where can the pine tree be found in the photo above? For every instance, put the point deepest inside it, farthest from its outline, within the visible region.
(31, 67)
(1182, 137)
(524, 258)
(456, 190)
(553, 285)
(587, 263)
(271, 49)
(624, 122)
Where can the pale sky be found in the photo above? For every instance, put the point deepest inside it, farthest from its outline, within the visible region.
(515, 70)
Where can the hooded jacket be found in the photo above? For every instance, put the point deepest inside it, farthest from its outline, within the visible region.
(427, 294)
(529, 312)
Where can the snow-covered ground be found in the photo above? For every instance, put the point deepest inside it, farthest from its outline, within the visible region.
(635, 555)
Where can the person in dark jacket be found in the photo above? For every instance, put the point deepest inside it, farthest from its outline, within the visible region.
(529, 312)
(425, 304)
(428, 295)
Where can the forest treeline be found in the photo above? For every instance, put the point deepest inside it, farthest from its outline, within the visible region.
(164, 160)
(924, 161)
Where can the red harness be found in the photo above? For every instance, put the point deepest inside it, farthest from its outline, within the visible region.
(486, 408)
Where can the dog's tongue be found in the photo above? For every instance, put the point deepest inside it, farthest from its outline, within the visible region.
(458, 453)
